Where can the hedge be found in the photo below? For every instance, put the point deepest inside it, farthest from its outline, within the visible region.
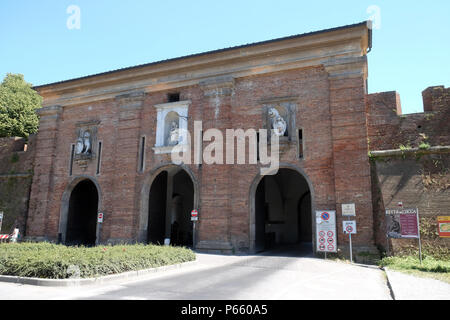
(52, 261)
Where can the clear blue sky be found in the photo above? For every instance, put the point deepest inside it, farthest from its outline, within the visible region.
(410, 49)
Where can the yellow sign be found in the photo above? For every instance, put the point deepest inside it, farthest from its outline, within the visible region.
(444, 226)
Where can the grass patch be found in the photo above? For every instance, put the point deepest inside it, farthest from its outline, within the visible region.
(52, 261)
(430, 267)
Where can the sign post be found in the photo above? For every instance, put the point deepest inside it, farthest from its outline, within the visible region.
(326, 231)
(418, 233)
(1, 219)
(194, 219)
(100, 217)
(349, 228)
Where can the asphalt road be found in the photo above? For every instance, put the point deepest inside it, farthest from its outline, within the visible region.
(231, 278)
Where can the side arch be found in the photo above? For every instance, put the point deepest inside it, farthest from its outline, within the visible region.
(65, 204)
(252, 209)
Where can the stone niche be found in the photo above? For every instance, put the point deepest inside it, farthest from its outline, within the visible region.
(171, 126)
(279, 115)
(85, 147)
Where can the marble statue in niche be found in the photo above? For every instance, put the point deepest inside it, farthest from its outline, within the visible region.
(174, 134)
(278, 124)
(84, 143)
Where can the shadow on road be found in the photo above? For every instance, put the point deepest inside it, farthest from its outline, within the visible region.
(300, 250)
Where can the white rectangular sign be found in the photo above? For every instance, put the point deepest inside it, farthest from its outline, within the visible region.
(348, 209)
(349, 227)
(326, 239)
(100, 217)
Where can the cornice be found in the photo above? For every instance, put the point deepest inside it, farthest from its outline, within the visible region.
(274, 56)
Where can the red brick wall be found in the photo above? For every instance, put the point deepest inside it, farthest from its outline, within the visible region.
(417, 180)
(388, 128)
(331, 113)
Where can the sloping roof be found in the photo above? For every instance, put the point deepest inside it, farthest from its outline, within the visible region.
(215, 51)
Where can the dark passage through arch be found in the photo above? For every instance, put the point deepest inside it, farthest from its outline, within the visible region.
(283, 215)
(171, 201)
(82, 218)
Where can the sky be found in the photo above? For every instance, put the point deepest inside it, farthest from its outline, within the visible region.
(42, 41)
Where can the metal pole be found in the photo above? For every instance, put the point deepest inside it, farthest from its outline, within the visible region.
(193, 235)
(1, 219)
(418, 231)
(351, 255)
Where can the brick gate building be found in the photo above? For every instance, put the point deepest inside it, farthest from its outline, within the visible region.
(104, 142)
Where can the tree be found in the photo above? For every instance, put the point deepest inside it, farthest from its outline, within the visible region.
(18, 104)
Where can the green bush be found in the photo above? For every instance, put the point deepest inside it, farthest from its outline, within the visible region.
(429, 264)
(51, 261)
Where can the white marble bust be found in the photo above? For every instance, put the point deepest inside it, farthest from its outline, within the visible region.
(278, 124)
(83, 145)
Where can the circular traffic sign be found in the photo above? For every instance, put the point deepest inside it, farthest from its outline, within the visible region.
(330, 247)
(330, 234)
(349, 229)
(325, 216)
(322, 233)
(322, 240)
(330, 240)
(322, 247)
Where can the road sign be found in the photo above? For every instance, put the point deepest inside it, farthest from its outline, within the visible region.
(194, 215)
(326, 231)
(100, 217)
(325, 216)
(402, 223)
(348, 210)
(444, 226)
(349, 227)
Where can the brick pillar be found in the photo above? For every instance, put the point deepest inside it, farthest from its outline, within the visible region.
(122, 221)
(214, 226)
(45, 145)
(347, 81)
(436, 99)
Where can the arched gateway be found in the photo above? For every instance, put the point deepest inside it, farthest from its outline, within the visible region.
(168, 198)
(79, 208)
(281, 212)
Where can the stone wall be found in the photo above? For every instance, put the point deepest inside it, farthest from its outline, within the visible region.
(16, 164)
(388, 128)
(410, 163)
(418, 181)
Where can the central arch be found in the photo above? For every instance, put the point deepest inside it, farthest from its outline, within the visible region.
(168, 195)
(281, 212)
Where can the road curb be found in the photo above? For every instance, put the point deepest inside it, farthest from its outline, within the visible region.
(391, 289)
(130, 275)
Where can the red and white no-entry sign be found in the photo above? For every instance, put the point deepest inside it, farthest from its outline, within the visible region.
(349, 227)
(194, 215)
(100, 217)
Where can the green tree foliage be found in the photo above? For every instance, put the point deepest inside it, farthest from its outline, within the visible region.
(18, 102)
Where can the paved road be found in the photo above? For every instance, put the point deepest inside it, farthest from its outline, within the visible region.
(232, 277)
